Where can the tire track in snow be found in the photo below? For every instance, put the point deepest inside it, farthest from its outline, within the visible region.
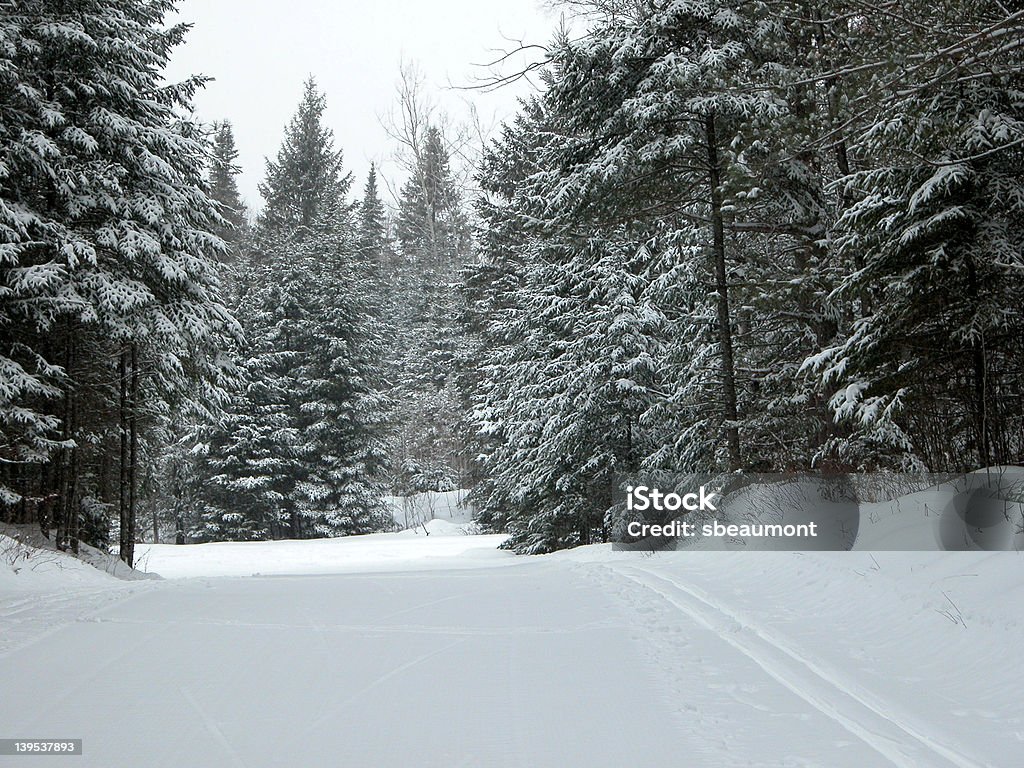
(903, 744)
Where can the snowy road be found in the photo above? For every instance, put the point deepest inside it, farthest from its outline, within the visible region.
(545, 662)
(506, 666)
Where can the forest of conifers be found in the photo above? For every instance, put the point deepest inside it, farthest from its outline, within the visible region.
(720, 237)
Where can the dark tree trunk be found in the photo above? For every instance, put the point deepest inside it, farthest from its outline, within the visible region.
(67, 464)
(730, 414)
(74, 502)
(133, 454)
(125, 492)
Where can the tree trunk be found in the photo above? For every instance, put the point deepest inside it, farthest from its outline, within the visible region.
(133, 453)
(730, 415)
(74, 501)
(122, 483)
(979, 366)
(126, 491)
(67, 465)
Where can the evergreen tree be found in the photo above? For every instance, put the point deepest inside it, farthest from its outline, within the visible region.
(306, 178)
(303, 444)
(224, 171)
(372, 236)
(429, 449)
(928, 377)
(111, 312)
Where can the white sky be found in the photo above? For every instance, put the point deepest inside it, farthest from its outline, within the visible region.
(261, 51)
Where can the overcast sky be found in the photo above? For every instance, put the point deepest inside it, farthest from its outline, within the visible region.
(261, 51)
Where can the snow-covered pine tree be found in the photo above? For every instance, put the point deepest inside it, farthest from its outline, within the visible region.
(303, 444)
(633, 169)
(567, 339)
(931, 375)
(223, 182)
(108, 239)
(432, 232)
(344, 413)
(372, 227)
(663, 115)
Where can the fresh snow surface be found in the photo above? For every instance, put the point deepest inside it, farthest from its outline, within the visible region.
(415, 650)
(443, 544)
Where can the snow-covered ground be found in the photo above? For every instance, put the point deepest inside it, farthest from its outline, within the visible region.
(414, 650)
(436, 544)
(419, 508)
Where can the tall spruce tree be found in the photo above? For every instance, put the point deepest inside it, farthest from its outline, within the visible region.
(224, 171)
(429, 448)
(304, 443)
(372, 226)
(111, 310)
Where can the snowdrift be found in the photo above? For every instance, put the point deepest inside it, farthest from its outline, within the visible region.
(438, 543)
(29, 562)
(417, 509)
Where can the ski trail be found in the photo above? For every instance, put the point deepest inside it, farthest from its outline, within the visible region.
(902, 744)
(212, 727)
(330, 710)
(26, 621)
(32, 721)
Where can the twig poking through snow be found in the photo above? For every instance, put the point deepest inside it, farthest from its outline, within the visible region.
(956, 619)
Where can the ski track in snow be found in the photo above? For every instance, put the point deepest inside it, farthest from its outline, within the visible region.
(27, 620)
(580, 660)
(866, 717)
(213, 728)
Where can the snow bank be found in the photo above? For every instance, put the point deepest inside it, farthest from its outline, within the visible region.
(43, 589)
(410, 511)
(29, 562)
(443, 545)
(26, 569)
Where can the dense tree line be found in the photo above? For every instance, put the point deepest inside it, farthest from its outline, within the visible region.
(166, 362)
(111, 322)
(751, 236)
(346, 375)
(300, 448)
(724, 237)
